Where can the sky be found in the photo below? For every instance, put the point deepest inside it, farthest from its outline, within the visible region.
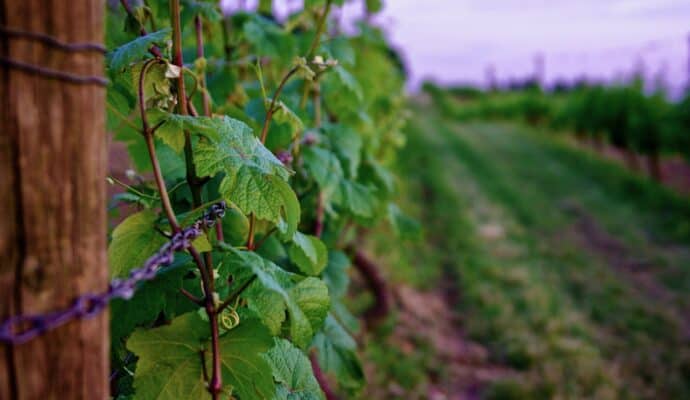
(455, 41)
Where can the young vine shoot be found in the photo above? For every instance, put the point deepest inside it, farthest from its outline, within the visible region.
(291, 124)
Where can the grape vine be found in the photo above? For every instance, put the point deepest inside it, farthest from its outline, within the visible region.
(297, 124)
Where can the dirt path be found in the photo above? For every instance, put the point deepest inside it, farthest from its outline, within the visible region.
(458, 368)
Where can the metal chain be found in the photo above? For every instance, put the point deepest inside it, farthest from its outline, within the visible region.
(20, 329)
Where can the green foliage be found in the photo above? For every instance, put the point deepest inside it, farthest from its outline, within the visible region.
(272, 274)
(374, 6)
(276, 291)
(168, 364)
(292, 371)
(335, 350)
(133, 51)
(169, 367)
(243, 363)
(308, 253)
(623, 115)
(134, 240)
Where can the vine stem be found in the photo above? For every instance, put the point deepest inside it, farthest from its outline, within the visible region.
(216, 383)
(151, 147)
(236, 294)
(264, 238)
(198, 26)
(142, 31)
(271, 108)
(160, 183)
(276, 95)
(319, 30)
(183, 103)
(310, 54)
(130, 188)
(321, 377)
(250, 235)
(206, 103)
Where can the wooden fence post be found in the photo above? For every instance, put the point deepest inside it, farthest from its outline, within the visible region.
(52, 197)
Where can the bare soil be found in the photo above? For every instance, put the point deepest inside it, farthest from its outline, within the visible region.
(461, 368)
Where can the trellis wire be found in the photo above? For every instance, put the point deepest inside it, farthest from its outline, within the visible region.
(54, 43)
(20, 329)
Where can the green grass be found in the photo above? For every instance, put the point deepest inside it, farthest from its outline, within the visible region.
(503, 206)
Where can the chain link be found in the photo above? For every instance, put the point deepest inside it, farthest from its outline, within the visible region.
(20, 329)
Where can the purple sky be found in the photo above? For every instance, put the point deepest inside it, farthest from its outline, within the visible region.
(454, 40)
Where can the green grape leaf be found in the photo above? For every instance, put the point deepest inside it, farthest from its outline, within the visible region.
(136, 50)
(347, 145)
(172, 164)
(405, 227)
(308, 253)
(344, 316)
(235, 226)
(169, 365)
(356, 198)
(243, 364)
(292, 371)
(311, 296)
(336, 353)
(156, 88)
(171, 133)
(268, 197)
(291, 208)
(277, 289)
(254, 178)
(134, 241)
(137, 18)
(201, 244)
(373, 173)
(136, 146)
(335, 275)
(324, 167)
(273, 248)
(268, 39)
(284, 115)
(269, 304)
(208, 11)
(235, 147)
(150, 299)
(171, 127)
(339, 48)
(346, 81)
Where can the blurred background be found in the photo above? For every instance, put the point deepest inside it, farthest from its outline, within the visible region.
(546, 175)
(546, 161)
